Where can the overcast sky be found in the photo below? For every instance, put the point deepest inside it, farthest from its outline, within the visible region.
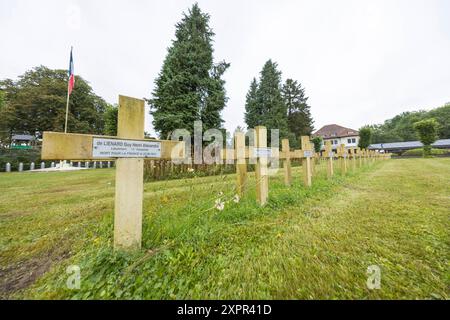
(361, 61)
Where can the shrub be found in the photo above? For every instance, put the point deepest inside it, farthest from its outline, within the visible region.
(428, 133)
(419, 152)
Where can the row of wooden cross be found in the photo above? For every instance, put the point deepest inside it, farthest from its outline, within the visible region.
(306, 154)
(129, 148)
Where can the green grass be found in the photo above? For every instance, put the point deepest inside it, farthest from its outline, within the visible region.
(305, 244)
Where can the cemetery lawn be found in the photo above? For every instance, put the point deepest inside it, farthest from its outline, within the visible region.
(305, 244)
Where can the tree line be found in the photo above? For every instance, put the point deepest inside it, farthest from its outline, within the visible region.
(401, 127)
(425, 126)
(189, 87)
(35, 103)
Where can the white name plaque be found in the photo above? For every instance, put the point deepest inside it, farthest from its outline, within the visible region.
(117, 148)
(307, 154)
(262, 152)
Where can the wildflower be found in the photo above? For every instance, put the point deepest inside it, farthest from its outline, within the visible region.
(190, 170)
(236, 198)
(219, 205)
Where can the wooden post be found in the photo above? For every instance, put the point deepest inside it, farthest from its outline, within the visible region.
(262, 177)
(129, 178)
(287, 162)
(353, 155)
(329, 154)
(241, 165)
(358, 152)
(306, 161)
(343, 155)
(313, 159)
(129, 148)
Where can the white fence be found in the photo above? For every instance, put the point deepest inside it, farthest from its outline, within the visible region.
(54, 165)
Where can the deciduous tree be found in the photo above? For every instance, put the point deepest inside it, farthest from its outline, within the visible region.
(365, 137)
(36, 103)
(428, 133)
(317, 141)
(110, 119)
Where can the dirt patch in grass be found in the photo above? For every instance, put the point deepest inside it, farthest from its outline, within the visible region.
(21, 275)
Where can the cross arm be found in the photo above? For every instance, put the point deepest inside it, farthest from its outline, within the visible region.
(74, 146)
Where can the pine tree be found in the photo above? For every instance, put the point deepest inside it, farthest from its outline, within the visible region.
(190, 86)
(252, 112)
(300, 121)
(273, 113)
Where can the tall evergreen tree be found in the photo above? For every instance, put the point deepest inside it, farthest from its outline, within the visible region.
(190, 86)
(273, 113)
(252, 112)
(300, 121)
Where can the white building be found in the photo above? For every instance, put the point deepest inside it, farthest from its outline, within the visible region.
(338, 135)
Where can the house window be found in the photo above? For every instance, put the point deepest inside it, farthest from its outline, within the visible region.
(335, 142)
(353, 140)
(349, 140)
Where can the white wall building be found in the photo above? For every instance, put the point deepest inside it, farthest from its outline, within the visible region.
(338, 135)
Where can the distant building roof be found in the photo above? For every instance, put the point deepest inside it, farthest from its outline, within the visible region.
(23, 137)
(335, 131)
(443, 143)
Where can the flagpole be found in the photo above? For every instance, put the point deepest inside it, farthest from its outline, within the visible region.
(67, 109)
(68, 94)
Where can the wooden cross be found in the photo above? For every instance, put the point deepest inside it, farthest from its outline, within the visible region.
(342, 153)
(364, 155)
(129, 149)
(286, 154)
(262, 174)
(352, 154)
(307, 154)
(261, 153)
(241, 164)
(359, 154)
(329, 154)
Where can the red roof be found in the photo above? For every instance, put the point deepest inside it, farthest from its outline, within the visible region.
(335, 131)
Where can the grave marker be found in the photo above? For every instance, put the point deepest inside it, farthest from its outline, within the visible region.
(307, 153)
(287, 162)
(352, 153)
(330, 155)
(342, 154)
(241, 164)
(262, 174)
(131, 149)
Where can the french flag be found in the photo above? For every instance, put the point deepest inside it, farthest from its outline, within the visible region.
(71, 74)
